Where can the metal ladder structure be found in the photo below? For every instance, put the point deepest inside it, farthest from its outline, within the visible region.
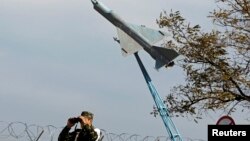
(161, 107)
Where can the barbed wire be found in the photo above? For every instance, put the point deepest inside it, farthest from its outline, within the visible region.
(20, 131)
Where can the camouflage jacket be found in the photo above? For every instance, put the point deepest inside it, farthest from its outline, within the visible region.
(87, 133)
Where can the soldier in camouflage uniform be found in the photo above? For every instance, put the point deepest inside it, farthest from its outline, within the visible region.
(86, 133)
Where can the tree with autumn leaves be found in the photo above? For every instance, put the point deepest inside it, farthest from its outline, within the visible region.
(216, 63)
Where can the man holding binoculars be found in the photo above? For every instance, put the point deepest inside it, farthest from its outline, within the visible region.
(86, 133)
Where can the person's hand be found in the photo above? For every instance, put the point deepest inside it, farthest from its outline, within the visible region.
(70, 124)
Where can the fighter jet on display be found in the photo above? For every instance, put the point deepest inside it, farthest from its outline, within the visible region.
(133, 38)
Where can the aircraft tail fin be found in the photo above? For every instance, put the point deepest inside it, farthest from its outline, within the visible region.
(167, 56)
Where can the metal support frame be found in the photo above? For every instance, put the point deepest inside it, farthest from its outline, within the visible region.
(162, 109)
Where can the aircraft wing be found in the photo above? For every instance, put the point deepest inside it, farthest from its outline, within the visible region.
(151, 35)
(130, 46)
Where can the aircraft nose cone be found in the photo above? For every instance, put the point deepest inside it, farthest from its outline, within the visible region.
(94, 1)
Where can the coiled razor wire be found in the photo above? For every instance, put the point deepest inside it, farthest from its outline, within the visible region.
(19, 131)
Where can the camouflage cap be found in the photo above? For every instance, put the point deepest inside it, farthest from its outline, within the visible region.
(87, 114)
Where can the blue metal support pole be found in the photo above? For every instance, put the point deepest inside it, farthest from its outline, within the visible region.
(162, 109)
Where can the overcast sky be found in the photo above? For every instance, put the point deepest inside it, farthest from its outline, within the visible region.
(58, 58)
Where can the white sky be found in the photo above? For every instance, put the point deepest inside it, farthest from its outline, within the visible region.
(58, 58)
